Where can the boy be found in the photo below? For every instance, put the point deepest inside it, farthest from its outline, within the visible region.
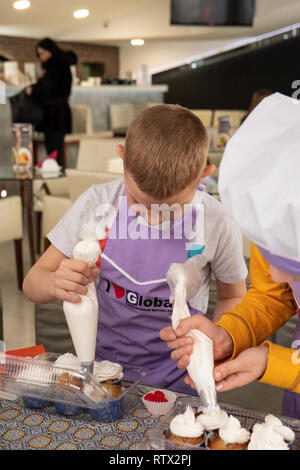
(155, 217)
(271, 219)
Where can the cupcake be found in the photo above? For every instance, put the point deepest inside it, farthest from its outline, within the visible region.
(37, 378)
(186, 429)
(110, 407)
(271, 435)
(231, 436)
(159, 402)
(213, 420)
(67, 378)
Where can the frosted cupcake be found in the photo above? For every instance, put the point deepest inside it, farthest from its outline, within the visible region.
(35, 377)
(67, 378)
(212, 420)
(186, 429)
(231, 436)
(111, 407)
(271, 435)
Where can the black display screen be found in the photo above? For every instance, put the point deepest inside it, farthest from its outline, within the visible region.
(212, 12)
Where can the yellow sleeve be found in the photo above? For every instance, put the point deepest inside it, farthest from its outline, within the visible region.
(283, 367)
(264, 309)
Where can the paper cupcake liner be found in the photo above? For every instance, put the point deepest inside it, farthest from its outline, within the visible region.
(158, 408)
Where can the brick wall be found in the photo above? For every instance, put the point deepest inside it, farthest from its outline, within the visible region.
(23, 50)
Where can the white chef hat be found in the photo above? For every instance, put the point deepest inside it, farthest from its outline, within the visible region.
(259, 180)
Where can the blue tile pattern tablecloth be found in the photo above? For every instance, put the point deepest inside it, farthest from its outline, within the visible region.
(23, 428)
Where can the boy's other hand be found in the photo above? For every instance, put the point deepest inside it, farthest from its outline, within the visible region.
(247, 367)
(183, 345)
(71, 279)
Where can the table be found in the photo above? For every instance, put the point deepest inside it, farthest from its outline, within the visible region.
(26, 192)
(22, 428)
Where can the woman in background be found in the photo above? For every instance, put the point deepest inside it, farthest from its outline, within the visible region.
(52, 92)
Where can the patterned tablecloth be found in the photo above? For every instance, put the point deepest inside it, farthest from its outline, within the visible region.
(22, 428)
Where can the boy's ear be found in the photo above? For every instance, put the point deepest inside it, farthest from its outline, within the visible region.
(120, 151)
(207, 172)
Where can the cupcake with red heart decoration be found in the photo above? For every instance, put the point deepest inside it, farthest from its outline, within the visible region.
(159, 402)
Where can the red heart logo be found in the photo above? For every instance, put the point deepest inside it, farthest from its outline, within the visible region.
(119, 291)
(158, 397)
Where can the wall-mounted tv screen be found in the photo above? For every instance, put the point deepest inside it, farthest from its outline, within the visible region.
(212, 12)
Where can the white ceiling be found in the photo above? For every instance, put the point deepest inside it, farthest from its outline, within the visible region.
(115, 22)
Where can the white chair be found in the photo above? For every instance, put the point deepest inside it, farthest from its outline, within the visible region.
(82, 126)
(78, 182)
(12, 229)
(93, 156)
(205, 115)
(122, 114)
(236, 116)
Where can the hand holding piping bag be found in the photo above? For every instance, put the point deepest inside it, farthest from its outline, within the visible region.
(200, 367)
(82, 318)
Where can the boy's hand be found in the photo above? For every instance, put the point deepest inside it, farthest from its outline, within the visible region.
(247, 367)
(72, 278)
(183, 345)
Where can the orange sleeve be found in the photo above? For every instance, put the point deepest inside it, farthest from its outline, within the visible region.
(283, 367)
(264, 309)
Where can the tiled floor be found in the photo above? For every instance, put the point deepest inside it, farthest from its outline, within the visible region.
(19, 331)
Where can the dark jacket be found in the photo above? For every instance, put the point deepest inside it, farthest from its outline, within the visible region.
(52, 92)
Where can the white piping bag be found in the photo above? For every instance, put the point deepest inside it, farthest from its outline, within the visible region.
(182, 279)
(82, 318)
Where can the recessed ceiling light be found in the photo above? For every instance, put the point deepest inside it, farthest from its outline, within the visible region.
(78, 14)
(21, 4)
(137, 42)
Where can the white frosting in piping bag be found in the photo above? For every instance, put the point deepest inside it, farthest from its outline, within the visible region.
(201, 363)
(82, 318)
(233, 433)
(186, 425)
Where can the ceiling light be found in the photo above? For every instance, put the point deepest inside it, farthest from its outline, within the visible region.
(21, 4)
(78, 14)
(137, 42)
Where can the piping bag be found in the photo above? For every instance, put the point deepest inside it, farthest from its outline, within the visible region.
(183, 280)
(82, 318)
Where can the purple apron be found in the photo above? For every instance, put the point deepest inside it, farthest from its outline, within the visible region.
(291, 400)
(133, 297)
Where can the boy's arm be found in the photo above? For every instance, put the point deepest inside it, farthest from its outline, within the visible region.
(55, 276)
(229, 295)
(266, 307)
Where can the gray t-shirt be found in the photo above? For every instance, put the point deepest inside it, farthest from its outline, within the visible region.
(222, 256)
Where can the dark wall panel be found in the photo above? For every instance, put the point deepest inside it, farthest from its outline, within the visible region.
(229, 83)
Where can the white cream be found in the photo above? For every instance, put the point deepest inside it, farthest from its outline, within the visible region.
(201, 363)
(82, 318)
(68, 360)
(106, 370)
(233, 433)
(213, 419)
(186, 425)
(270, 435)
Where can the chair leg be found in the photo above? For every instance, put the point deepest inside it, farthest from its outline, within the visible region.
(38, 222)
(47, 243)
(19, 262)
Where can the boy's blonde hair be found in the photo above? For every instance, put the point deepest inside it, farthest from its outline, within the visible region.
(165, 150)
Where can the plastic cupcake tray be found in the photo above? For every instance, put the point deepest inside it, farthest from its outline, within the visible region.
(157, 436)
(41, 383)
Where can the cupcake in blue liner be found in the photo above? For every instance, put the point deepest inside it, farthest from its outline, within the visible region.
(109, 410)
(39, 377)
(68, 379)
(109, 375)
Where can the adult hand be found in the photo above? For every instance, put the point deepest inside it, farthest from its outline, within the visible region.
(28, 91)
(183, 345)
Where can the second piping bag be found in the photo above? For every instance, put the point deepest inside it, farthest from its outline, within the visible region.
(82, 318)
(182, 280)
